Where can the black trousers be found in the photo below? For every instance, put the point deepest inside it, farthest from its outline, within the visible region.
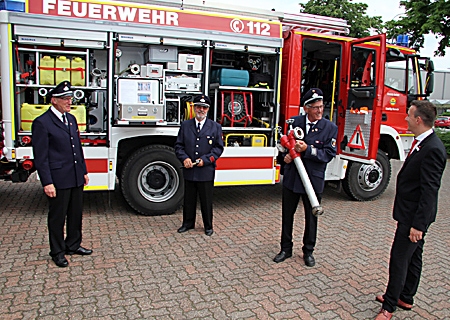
(405, 268)
(290, 201)
(68, 204)
(204, 190)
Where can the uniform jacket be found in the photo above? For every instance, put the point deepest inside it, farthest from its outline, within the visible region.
(323, 137)
(418, 184)
(57, 151)
(207, 145)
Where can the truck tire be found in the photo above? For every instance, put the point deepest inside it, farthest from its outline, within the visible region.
(364, 182)
(152, 181)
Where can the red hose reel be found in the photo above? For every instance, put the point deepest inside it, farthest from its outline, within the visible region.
(236, 108)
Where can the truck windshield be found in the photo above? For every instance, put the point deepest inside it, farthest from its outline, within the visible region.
(407, 74)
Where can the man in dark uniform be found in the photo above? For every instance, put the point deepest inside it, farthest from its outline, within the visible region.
(60, 164)
(199, 144)
(415, 208)
(317, 149)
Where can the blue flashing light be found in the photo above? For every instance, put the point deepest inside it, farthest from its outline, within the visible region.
(403, 40)
(10, 5)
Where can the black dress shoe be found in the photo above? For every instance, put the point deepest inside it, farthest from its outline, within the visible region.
(283, 255)
(184, 229)
(81, 251)
(60, 261)
(209, 232)
(309, 260)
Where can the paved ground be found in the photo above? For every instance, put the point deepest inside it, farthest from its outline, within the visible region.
(142, 269)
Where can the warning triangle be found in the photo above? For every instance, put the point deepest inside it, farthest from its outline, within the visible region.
(357, 140)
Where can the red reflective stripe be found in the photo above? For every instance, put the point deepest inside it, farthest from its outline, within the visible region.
(244, 163)
(64, 69)
(97, 165)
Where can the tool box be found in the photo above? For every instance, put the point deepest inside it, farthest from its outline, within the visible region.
(189, 62)
(159, 53)
(146, 113)
(182, 83)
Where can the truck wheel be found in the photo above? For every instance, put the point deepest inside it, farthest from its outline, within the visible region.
(365, 182)
(151, 181)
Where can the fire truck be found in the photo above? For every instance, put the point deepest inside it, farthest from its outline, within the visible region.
(135, 67)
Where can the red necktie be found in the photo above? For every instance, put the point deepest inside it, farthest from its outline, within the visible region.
(412, 146)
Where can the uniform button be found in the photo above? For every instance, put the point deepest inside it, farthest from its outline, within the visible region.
(74, 154)
(73, 146)
(196, 145)
(198, 139)
(196, 153)
(75, 162)
(71, 138)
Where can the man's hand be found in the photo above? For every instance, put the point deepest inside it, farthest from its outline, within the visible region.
(187, 163)
(199, 162)
(415, 235)
(50, 190)
(287, 158)
(300, 146)
(86, 180)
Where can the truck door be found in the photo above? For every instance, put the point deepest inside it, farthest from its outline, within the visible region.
(362, 102)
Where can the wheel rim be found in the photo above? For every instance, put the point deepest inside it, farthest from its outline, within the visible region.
(158, 181)
(370, 176)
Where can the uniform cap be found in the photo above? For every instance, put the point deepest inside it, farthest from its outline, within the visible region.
(202, 100)
(61, 90)
(311, 96)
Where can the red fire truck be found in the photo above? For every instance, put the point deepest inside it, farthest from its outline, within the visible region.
(135, 67)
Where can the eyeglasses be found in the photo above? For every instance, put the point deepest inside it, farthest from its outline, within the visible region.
(201, 107)
(65, 98)
(315, 107)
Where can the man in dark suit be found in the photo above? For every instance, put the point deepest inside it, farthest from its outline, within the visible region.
(60, 164)
(415, 208)
(199, 144)
(317, 149)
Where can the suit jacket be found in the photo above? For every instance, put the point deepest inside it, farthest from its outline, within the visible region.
(58, 155)
(207, 145)
(323, 138)
(418, 183)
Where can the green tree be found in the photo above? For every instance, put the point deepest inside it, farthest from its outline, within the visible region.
(421, 18)
(355, 14)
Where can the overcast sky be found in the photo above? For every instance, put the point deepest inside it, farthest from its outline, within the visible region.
(387, 9)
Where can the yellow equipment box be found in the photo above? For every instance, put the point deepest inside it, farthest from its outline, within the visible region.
(29, 112)
(47, 70)
(245, 140)
(258, 140)
(78, 72)
(63, 63)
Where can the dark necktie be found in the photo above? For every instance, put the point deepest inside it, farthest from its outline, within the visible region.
(310, 126)
(412, 147)
(64, 120)
(198, 127)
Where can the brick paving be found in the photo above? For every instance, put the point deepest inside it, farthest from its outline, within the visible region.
(143, 269)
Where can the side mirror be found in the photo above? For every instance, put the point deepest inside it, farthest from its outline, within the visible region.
(429, 66)
(429, 86)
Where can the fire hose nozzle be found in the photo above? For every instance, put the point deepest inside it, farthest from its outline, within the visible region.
(317, 211)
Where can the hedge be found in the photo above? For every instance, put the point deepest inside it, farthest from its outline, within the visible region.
(445, 137)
